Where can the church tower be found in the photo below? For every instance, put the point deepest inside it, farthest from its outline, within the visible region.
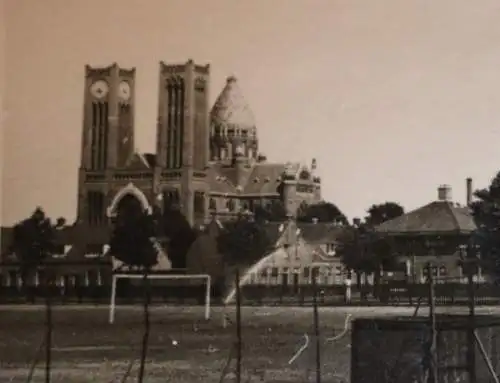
(107, 137)
(182, 132)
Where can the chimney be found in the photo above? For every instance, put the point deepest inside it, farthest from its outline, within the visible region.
(468, 183)
(444, 193)
(356, 222)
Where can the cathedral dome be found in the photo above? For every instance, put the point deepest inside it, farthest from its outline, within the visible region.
(231, 109)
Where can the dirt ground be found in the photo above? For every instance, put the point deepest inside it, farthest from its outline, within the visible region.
(184, 347)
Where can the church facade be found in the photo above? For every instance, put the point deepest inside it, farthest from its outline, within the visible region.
(207, 160)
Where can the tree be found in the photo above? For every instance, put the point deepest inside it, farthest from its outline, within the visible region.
(132, 243)
(362, 250)
(323, 212)
(181, 235)
(486, 213)
(243, 241)
(380, 213)
(33, 243)
(272, 212)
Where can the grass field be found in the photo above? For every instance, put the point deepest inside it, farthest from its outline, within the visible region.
(88, 349)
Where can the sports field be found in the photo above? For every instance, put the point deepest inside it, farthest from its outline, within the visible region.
(184, 348)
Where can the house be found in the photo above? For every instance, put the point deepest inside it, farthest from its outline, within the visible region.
(436, 232)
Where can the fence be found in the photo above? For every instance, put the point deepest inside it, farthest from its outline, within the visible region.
(301, 295)
(445, 293)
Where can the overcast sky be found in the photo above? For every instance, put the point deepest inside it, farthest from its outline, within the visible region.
(392, 97)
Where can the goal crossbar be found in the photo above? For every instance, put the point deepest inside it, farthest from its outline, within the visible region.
(206, 277)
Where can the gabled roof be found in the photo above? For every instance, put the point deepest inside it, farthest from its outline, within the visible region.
(439, 217)
(320, 233)
(231, 109)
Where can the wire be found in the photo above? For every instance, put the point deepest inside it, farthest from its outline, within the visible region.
(225, 370)
(35, 361)
(344, 331)
(301, 350)
(331, 339)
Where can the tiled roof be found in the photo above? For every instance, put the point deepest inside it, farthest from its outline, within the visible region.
(433, 218)
(219, 182)
(265, 178)
(261, 178)
(320, 233)
(230, 108)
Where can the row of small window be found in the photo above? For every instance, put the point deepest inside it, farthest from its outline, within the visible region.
(250, 205)
(230, 132)
(306, 272)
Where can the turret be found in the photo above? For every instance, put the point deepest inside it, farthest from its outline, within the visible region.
(316, 180)
(289, 190)
(230, 119)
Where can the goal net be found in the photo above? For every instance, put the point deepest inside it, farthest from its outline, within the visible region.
(203, 277)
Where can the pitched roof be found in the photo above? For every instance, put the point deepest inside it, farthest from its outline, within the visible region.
(321, 232)
(434, 218)
(230, 108)
(259, 178)
(219, 182)
(265, 178)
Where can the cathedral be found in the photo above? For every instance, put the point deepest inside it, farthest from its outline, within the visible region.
(207, 160)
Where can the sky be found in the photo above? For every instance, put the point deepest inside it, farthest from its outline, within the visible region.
(391, 97)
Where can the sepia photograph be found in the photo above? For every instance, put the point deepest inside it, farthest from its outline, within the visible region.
(249, 191)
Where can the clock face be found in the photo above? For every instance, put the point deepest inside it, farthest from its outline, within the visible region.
(124, 90)
(99, 89)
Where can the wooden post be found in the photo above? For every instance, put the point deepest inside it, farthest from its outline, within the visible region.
(433, 371)
(48, 324)
(471, 339)
(316, 329)
(238, 328)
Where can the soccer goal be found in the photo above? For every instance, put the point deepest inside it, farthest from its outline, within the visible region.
(204, 277)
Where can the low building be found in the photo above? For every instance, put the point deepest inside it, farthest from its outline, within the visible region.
(435, 233)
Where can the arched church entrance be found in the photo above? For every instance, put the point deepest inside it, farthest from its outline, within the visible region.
(130, 199)
(128, 207)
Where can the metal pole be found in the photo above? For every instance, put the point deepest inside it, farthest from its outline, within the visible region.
(112, 302)
(433, 371)
(238, 328)
(316, 329)
(486, 358)
(471, 339)
(48, 340)
(207, 297)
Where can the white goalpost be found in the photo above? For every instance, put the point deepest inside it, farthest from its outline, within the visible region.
(205, 277)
